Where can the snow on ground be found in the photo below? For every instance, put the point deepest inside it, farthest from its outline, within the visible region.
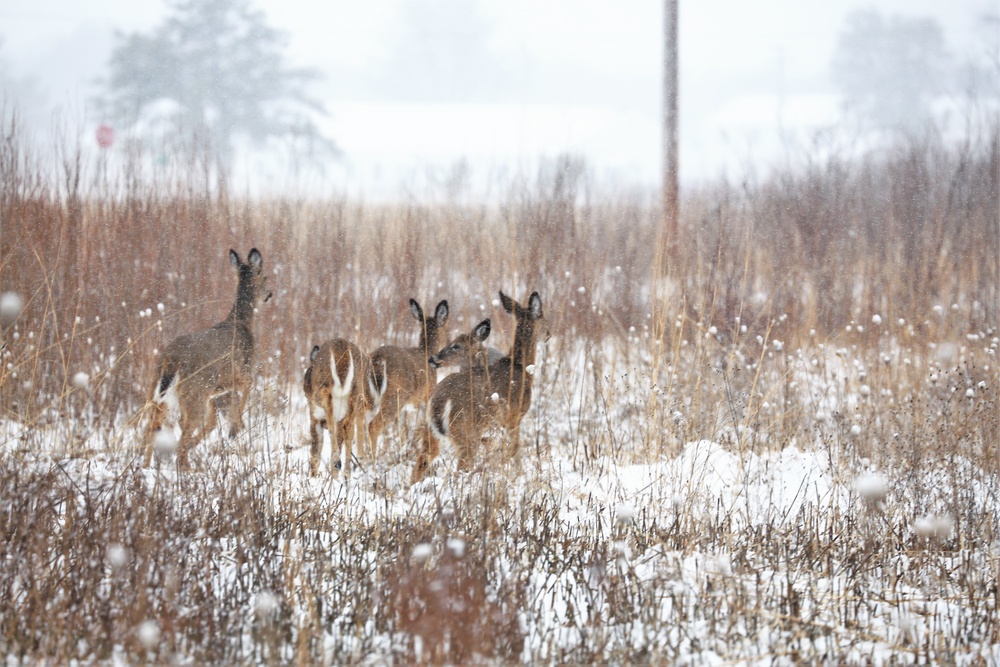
(695, 541)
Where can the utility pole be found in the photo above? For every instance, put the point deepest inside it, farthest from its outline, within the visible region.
(671, 187)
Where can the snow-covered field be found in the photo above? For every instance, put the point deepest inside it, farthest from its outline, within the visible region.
(723, 502)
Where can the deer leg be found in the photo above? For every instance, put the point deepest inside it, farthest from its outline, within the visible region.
(466, 449)
(512, 427)
(315, 444)
(375, 428)
(197, 418)
(237, 406)
(429, 448)
(157, 415)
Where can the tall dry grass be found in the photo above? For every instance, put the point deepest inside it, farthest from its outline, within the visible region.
(759, 334)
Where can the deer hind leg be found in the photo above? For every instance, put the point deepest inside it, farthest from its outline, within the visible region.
(388, 412)
(157, 415)
(512, 429)
(315, 444)
(428, 450)
(238, 405)
(465, 447)
(197, 419)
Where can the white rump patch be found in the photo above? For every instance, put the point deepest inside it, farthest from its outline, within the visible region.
(169, 397)
(340, 392)
(445, 419)
(377, 392)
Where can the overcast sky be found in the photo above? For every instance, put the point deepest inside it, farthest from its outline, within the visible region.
(502, 83)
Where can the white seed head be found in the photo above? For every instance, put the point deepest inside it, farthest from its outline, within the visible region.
(265, 605)
(422, 552)
(721, 565)
(625, 513)
(777, 345)
(855, 430)
(495, 397)
(81, 380)
(116, 555)
(456, 546)
(11, 305)
(940, 527)
(876, 319)
(149, 634)
(164, 443)
(160, 308)
(530, 369)
(865, 390)
(871, 486)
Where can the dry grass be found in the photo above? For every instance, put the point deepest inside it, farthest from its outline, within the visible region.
(759, 338)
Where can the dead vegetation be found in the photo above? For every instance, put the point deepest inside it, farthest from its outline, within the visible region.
(847, 313)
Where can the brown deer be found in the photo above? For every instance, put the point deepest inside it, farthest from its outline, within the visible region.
(467, 351)
(343, 394)
(213, 366)
(465, 404)
(404, 375)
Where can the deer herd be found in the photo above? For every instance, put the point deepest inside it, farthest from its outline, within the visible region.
(352, 394)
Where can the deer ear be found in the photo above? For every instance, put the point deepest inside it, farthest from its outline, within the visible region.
(482, 330)
(418, 312)
(535, 306)
(441, 313)
(255, 259)
(508, 303)
(234, 259)
(315, 351)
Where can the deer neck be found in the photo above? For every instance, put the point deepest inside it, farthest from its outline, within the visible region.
(428, 340)
(522, 352)
(242, 311)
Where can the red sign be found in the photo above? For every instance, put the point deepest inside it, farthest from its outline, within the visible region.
(105, 136)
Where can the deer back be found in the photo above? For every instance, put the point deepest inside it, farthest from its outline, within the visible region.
(404, 373)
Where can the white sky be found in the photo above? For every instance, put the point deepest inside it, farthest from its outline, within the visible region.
(407, 86)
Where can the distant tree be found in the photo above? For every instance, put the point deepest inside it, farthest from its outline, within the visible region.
(223, 71)
(889, 68)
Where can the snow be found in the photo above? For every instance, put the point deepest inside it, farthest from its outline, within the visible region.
(663, 534)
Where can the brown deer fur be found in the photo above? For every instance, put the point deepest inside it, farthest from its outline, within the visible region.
(197, 369)
(462, 406)
(404, 374)
(339, 387)
(467, 350)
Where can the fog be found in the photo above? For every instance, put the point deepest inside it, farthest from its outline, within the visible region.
(412, 88)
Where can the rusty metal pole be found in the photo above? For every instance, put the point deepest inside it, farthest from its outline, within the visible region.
(671, 186)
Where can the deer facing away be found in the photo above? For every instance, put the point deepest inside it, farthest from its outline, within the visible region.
(197, 369)
(343, 394)
(465, 404)
(404, 374)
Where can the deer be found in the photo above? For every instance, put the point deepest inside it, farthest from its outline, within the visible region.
(465, 404)
(200, 371)
(404, 374)
(343, 392)
(467, 350)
